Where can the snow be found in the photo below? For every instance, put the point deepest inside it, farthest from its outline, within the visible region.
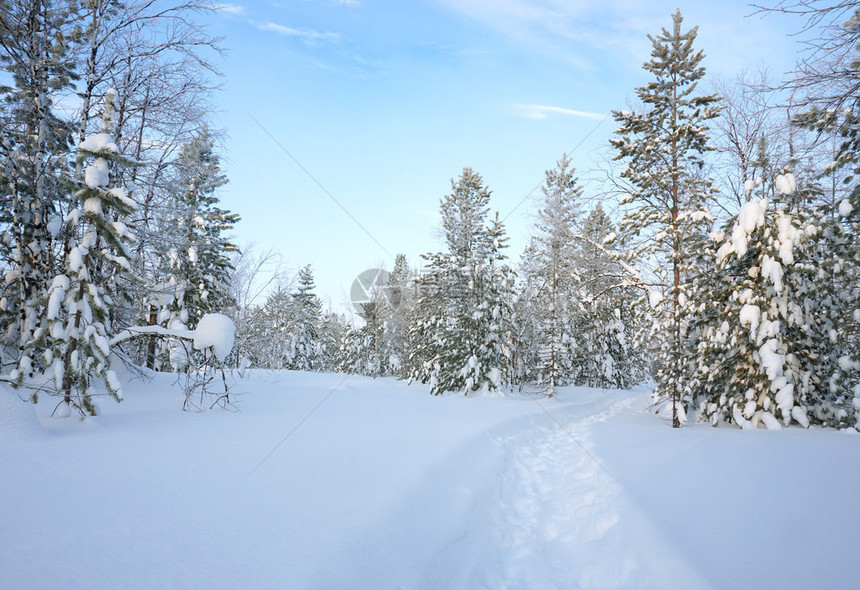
(329, 481)
(655, 297)
(120, 193)
(785, 397)
(55, 224)
(751, 215)
(799, 415)
(786, 184)
(18, 420)
(845, 208)
(770, 421)
(97, 174)
(750, 315)
(772, 270)
(93, 206)
(771, 361)
(58, 289)
(98, 142)
(215, 331)
(76, 258)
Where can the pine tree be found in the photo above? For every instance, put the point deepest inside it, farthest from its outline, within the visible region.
(771, 346)
(457, 326)
(551, 268)
(305, 346)
(198, 259)
(77, 305)
(35, 39)
(662, 148)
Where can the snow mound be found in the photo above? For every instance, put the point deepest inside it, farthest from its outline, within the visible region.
(215, 331)
(17, 418)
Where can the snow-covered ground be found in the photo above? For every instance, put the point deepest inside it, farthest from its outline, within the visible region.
(385, 486)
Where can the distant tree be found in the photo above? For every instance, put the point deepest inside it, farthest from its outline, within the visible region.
(552, 270)
(305, 346)
(605, 327)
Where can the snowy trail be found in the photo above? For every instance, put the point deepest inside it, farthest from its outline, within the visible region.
(522, 507)
(566, 521)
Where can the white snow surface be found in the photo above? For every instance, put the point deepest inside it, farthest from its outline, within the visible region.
(329, 481)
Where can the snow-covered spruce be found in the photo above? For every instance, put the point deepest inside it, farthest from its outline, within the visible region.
(305, 352)
(461, 319)
(573, 312)
(770, 348)
(73, 344)
(195, 254)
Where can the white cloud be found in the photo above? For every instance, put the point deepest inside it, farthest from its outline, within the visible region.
(538, 111)
(582, 33)
(307, 35)
(229, 8)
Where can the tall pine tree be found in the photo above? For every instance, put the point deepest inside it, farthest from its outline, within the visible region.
(667, 214)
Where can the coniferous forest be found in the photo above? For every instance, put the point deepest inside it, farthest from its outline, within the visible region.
(719, 260)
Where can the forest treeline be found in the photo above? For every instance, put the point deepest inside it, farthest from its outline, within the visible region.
(719, 258)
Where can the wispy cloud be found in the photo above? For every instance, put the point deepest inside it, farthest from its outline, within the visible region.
(539, 111)
(582, 33)
(307, 35)
(229, 8)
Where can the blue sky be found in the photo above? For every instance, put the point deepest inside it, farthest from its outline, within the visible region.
(384, 101)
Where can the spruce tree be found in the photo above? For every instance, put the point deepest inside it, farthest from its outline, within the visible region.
(551, 268)
(198, 260)
(77, 305)
(305, 346)
(36, 54)
(662, 148)
(771, 348)
(458, 324)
